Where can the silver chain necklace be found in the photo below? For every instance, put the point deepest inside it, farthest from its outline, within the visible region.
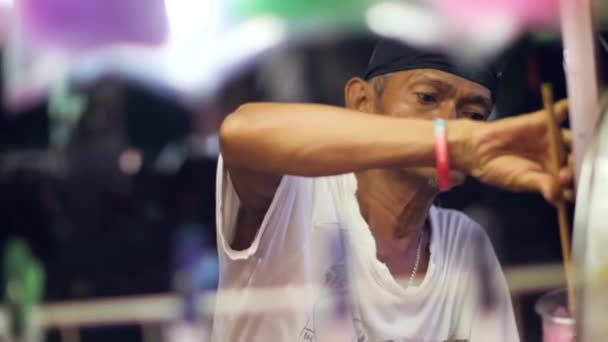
(417, 260)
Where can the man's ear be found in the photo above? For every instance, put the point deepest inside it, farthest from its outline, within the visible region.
(359, 95)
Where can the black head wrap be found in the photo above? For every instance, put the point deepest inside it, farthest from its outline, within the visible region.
(391, 56)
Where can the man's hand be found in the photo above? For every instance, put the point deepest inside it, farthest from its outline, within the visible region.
(514, 153)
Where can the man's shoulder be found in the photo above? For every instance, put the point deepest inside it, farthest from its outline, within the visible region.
(456, 229)
(453, 219)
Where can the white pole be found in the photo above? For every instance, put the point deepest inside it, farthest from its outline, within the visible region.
(581, 74)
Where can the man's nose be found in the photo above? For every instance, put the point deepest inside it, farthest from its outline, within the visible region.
(448, 112)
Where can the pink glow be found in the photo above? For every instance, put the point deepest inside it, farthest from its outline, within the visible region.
(468, 14)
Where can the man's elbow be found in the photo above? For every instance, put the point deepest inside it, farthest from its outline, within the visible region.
(229, 135)
(234, 132)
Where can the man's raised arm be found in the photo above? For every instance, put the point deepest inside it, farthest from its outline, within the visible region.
(272, 139)
(318, 140)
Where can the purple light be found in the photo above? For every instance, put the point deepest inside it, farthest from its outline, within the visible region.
(85, 23)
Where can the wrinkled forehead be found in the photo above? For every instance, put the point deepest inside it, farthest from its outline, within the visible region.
(438, 79)
(394, 87)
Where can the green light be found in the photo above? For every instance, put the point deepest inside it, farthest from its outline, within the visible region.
(305, 13)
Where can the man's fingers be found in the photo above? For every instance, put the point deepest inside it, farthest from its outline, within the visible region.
(566, 175)
(560, 109)
(568, 195)
(541, 182)
(567, 139)
(550, 189)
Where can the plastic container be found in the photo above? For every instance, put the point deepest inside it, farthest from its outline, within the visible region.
(558, 326)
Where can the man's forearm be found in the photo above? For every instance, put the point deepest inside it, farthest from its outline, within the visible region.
(319, 140)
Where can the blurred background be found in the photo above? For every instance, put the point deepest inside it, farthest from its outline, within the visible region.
(108, 138)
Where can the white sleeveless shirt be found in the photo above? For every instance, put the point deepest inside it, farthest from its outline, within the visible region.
(277, 289)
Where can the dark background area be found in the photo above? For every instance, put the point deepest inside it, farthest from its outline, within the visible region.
(100, 232)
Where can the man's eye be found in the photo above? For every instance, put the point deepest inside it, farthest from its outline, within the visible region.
(475, 116)
(426, 98)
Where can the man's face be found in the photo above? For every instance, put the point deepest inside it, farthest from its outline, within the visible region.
(430, 94)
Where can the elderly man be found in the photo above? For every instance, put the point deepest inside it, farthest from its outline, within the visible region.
(293, 175)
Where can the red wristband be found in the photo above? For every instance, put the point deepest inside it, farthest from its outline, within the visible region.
(442, 155)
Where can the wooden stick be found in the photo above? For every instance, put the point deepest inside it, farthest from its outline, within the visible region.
(555, 150)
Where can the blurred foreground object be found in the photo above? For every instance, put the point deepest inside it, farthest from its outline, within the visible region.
(196, 271)
(188, 48)
(590, 150)
(591, 238)
(147, 310)
(5, 12)
(581, 75)
(23, 289)
(77, 24)
(183, 46)
(46, 37)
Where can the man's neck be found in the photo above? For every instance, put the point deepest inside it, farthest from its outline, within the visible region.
(395, 206)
